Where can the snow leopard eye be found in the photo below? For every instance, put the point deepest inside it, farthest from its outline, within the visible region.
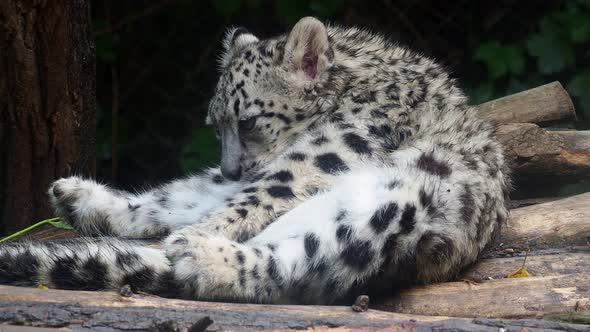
(247, 124)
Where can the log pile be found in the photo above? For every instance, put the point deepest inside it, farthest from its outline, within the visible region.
(552, 234)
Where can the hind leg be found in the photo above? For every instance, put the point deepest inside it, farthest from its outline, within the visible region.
(377, 223)
(95, 209)
(313, 254)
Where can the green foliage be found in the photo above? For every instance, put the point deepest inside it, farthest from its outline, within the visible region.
(551, 47)
(501, 59)
(555, 50)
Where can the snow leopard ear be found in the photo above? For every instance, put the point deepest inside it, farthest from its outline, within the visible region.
(234, 40)
(307, 49)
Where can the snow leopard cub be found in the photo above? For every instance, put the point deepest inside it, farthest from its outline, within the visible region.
(348, 163)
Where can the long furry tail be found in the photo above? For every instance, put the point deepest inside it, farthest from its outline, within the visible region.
(87, 264)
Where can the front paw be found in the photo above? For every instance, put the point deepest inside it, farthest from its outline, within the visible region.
(71, 197)
(63, 195)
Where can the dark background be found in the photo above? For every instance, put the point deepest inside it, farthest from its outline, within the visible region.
(156, 64)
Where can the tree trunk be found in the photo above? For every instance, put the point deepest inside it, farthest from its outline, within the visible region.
(47, 94)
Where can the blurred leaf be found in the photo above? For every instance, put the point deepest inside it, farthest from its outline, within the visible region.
(60, 224)
(514, 57)
(551, 47)
(578, 24)
(522, 272)
(501, 60)
(201, 151)
(226, 8)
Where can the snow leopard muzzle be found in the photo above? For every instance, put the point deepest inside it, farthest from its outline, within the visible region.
(230, 154)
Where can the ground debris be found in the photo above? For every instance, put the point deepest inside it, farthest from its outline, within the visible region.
(361, 303)
(126, 291)
(201, 325)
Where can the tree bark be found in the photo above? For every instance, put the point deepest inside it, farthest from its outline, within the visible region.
(47, 88)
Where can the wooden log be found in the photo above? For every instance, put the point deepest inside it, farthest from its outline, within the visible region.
(110, 311)
(549, 102)
(538, 264)
(533, 150)
(560, 223)
(575, 140)
(507, 298)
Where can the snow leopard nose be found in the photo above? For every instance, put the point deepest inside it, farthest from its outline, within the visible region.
(230, 174)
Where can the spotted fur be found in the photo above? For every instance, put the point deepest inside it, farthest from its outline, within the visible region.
(348, 162)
